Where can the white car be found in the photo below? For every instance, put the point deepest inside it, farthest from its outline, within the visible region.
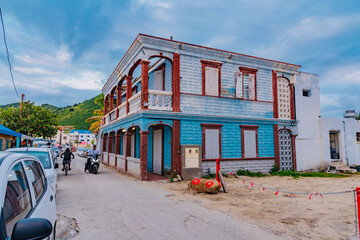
(27, 201)
(47, 160)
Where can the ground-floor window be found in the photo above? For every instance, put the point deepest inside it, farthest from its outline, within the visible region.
(249, 141)
(211, 141)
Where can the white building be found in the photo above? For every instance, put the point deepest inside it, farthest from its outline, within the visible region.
(62, 138)
(307, 106)
(82, 136)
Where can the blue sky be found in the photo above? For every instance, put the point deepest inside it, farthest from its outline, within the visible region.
(63, 51)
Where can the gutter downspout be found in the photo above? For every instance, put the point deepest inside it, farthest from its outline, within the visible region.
(347, 159)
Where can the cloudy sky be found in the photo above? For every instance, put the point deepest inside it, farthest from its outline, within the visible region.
(63, 51)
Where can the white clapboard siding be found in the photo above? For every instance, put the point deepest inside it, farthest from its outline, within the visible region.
(239, 84)
(158, 80)
(212, 143)
(211, 81)
(250, 143)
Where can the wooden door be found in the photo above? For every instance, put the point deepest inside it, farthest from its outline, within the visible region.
(157, 152)
(132, 152)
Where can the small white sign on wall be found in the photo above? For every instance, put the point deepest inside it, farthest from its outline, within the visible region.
(192, 157)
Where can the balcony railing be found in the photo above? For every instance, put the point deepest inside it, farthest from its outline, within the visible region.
(135, 103)
(160, 100)
(122, 110)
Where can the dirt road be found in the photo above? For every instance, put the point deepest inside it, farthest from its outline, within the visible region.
(111, 205)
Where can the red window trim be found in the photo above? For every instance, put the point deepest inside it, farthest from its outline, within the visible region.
(248, 70)
(249, 127)
(161, 67)
(210, 126)
(206, 63)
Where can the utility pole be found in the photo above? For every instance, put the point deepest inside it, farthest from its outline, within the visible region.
(21, 105)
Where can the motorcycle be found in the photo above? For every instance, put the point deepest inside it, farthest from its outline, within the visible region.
(94, 165)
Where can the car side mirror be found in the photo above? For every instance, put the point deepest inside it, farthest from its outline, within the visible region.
(56, 165)
(32, 228)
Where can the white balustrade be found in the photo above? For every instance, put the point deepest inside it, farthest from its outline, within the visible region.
(122, 110)
(160, 100)
(135, 103)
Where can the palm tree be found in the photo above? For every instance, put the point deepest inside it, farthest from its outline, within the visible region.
(98, 114)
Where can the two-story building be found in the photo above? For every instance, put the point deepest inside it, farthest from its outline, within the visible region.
(168, 103)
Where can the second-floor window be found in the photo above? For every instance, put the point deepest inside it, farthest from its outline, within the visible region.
(245, 83)
(211, 78)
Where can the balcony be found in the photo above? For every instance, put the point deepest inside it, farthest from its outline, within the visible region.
(158, 100)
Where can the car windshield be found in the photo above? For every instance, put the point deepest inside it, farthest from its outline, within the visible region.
(42, 156)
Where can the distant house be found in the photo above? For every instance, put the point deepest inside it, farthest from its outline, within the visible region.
(8, 138)
(82, 136)
(175, 106)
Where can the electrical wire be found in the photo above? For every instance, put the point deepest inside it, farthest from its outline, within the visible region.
(7, 53)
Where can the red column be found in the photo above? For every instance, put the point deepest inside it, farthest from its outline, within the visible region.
(118, 100)
(144, 84)
(175, 135)
(276, 145)
(176, 82)
(292, 103)
(293, 146)
(143, 154)
(128, 91)
(106, 106)
(111, 105)
(275, 94)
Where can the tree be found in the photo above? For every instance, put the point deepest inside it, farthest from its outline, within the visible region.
(98, 115)
(34, 121)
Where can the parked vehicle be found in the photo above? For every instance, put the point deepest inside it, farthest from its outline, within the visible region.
(27, 200)
(47, 160)
(93, 167)
(81, 152)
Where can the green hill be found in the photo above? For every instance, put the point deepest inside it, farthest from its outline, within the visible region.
(17, 104)
(70, 115)
(77, 114)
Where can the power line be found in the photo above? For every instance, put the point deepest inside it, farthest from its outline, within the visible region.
(7, 53)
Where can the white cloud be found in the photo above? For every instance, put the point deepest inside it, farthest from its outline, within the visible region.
(317, 28)
(341, 75)
(40, 71)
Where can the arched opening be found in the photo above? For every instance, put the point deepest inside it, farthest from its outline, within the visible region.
(159, 149)
(111, 149)
(160, 83)
(286, 154)
(105, 148)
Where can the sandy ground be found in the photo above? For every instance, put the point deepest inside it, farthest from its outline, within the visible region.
(111, 205)
(327, 217)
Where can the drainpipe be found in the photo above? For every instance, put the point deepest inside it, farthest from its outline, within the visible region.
(347, 159)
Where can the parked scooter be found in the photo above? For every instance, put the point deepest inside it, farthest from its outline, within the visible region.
(94, 165)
